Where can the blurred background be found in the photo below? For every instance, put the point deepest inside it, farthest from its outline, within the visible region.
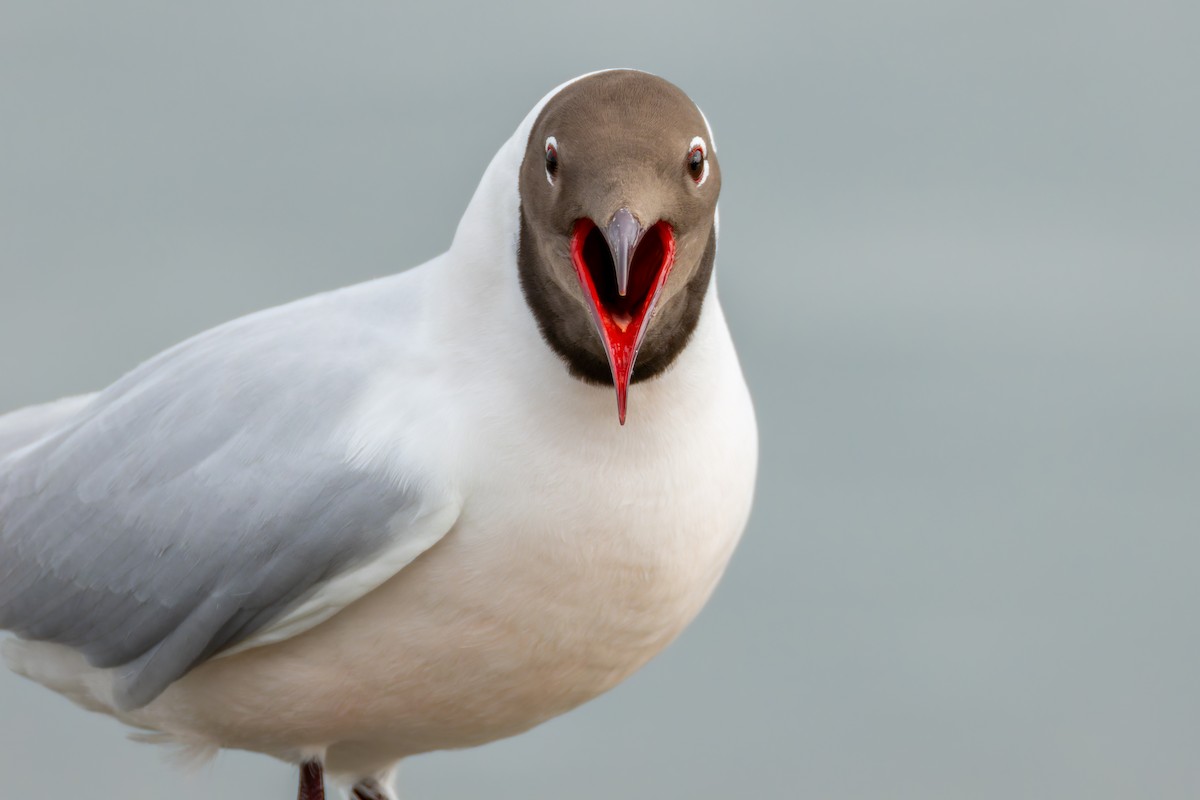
(961, 260)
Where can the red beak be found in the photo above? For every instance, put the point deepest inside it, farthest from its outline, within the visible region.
(622, 269)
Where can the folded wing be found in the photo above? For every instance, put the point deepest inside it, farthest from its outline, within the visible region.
(206, 500)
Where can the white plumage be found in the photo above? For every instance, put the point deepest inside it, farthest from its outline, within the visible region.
(543, 551)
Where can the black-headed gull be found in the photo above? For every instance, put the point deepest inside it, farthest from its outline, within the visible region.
(403, 516)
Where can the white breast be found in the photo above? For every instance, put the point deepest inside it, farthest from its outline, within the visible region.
(583, 548)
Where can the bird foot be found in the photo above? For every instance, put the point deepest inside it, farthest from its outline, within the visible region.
(369, 790)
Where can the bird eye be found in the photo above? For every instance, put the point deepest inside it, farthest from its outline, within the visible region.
(551, 159)
(697, 163)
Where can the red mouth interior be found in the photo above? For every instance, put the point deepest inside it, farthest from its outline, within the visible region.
(622, 320)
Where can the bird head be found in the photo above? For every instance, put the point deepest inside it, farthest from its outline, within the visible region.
(618, 192)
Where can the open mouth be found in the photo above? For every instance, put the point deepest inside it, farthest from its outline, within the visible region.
(621, 319)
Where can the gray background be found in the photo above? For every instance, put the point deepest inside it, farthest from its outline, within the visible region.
(962, 263)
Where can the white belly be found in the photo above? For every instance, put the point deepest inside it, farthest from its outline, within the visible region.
(521, 613)
(581, 551)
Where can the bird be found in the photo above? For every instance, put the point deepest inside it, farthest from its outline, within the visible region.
(405, 516)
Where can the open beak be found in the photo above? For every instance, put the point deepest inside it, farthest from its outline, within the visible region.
(622, 268)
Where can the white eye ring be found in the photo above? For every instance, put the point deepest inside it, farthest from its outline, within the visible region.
(551, 151)
(699, 142)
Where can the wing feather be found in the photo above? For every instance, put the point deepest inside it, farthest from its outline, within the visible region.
(206, 496)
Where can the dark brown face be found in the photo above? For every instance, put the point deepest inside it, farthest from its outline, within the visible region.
(618, 189)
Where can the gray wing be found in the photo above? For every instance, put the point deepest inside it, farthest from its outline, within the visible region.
(26, 426)
(198, 499)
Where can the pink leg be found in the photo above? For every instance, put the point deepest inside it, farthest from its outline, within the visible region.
(312, 781)
(368, 790)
